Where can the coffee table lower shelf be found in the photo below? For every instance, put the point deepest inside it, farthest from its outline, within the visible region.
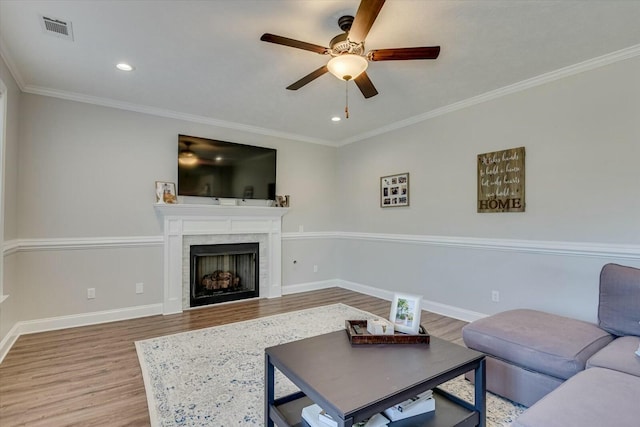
(447, 413)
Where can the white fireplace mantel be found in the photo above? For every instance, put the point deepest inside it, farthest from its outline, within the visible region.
(181, 220)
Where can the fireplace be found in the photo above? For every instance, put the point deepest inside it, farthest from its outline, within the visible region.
(223, 272)
(186, 224)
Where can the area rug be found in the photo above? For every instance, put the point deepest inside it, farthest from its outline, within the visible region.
(215, 376)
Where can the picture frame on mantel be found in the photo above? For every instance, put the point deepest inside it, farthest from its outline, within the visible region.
(394, 190)
(405, 313)
(166, 193)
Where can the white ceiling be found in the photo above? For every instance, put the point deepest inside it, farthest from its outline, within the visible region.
(203, 60)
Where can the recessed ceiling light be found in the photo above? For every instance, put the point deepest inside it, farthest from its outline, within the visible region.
(335, 119)
(124, 66)
(218, 158)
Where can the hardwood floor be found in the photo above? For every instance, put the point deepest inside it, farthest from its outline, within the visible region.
(90, 376)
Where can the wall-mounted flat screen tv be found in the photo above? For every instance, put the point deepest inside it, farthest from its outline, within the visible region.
(220, 169)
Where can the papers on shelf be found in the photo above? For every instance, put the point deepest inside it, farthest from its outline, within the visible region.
(312, 415)
(422, 403)
(378, 420)
(326, 419)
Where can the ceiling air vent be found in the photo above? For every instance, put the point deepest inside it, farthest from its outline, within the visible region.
(56, 27)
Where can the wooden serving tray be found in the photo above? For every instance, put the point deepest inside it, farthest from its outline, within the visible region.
(398, 338)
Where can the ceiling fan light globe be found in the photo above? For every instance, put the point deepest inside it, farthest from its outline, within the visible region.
(347, 66)
(187, 158)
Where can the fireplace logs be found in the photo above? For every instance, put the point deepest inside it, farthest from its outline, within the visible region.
(223, 272)
(220, 280)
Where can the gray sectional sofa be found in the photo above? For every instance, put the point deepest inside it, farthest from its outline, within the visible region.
(569, 372)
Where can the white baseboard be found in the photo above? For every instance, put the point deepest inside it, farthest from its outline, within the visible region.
(74, 320)
(310, 286)
(86, 319)
(8, 341)
(451, 311)
(365, 289)
(432, 306)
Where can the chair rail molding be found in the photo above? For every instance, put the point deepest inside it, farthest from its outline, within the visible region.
(559, 248)
(580, 249)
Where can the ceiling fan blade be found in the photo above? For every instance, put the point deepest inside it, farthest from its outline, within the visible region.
(272, 38)
(308, 78)
(363, 21)
(365, 85)
(404, 53)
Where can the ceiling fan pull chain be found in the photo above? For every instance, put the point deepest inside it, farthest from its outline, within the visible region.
(346, 90)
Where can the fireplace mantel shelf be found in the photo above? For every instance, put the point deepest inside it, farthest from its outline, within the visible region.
(218, 210)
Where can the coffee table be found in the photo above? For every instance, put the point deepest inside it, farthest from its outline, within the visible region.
(354, 382)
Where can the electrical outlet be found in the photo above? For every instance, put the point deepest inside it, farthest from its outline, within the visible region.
(301, 229)
(315, 268)
(139, 288)
(495, 296)
(91, 293)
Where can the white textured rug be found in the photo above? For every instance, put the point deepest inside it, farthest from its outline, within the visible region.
(215, 376)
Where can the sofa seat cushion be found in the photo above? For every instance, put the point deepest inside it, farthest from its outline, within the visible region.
(619, 356)
(553, 345)
(517, 384)
(619, 300)
(596, 397)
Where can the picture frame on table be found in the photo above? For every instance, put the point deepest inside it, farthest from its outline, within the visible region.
(166, 193)
(394, 190)
(405, 313)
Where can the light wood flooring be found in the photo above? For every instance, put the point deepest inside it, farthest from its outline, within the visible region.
(90, 376)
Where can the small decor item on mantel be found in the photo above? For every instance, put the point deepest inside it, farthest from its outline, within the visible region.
(282, 201)
(166, 193)
(394, 190)
(405, 313)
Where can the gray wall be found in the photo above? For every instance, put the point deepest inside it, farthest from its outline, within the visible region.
(88, 172)
(582, 140)
(9, 314)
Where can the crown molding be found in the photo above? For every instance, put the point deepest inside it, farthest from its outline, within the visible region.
(561, 73)
(159, 112)
(601, 61)
(13, 69)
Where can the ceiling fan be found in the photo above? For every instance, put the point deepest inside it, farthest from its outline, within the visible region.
(349, 61)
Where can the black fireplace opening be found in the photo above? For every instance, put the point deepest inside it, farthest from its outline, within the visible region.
(223, 272)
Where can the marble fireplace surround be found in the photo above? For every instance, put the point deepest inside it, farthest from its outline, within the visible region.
(187, 224)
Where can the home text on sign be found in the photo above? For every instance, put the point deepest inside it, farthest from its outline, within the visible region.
(501, 181)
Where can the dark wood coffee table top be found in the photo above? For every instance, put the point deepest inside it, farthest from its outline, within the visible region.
(353, 379)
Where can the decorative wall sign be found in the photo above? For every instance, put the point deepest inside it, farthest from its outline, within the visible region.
(501, 181)
(394, 190)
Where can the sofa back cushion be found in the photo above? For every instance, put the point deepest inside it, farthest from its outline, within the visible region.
(619, 308)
